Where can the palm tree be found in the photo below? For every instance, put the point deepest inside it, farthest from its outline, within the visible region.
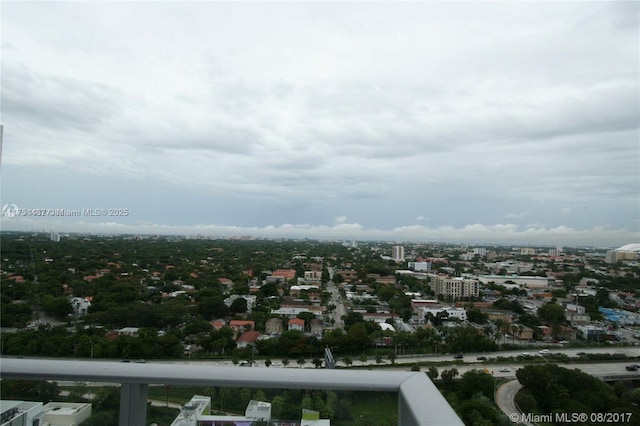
(520, 330)
(514, 330)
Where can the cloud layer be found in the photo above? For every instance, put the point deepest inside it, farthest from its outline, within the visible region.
(254, 115)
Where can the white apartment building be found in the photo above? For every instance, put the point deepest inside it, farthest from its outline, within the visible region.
(480, 251)
(397, 253)
(453, 313)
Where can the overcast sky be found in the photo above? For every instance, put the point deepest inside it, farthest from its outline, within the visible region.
(482, 122)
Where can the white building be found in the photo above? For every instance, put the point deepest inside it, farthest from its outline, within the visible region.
(258, 410)
(521, 281)
(397, 253)
(80, 306)
(420, 266)
(480, 251)
(197, 412)
(457, 313)
(250, 298)
(27, 413)
(292, 312)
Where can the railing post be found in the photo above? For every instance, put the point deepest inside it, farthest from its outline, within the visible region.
(420, 403)
(133, 404)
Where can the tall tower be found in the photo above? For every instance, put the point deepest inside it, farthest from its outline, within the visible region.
(397, 253)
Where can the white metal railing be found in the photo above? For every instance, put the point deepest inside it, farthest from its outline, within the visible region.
(419, 401)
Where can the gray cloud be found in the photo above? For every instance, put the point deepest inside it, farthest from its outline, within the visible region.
(320, 110)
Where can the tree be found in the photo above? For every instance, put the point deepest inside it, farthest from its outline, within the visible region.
(317, 362)
(432, 373)
(239, 306)
(448, 376)
(551, 313)
(58, 307)
(29, 390)
(477, 316)
(285, 361)
(392, 357)
(363, 358)
(300, 361)
(347, 360)
(212, 308)
(474, 381)
(267, 362)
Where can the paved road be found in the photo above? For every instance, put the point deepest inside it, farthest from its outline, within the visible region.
(505, 395)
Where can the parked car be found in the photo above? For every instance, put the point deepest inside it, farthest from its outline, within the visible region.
(458, 356)
(545, 352)
(481, 358)
(504, 370)
(632, 368)
(581, 353)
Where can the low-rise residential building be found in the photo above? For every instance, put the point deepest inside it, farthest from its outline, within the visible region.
(521, 281)
(14, 413)
(80, 306)
(247, 338)
(293, 311)
(273, 326)
(240, 326)
(296, 324)
(452, 313)
(250, 298)
(317, 327)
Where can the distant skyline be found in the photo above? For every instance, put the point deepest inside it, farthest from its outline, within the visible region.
(470, 122)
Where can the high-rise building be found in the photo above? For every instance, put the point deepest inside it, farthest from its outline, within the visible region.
(480, 251)
(397, 253)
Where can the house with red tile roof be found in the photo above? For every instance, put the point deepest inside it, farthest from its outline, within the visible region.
(296, 324)
(247, 338)
(218, 324)
(240, 326)
(287, 274)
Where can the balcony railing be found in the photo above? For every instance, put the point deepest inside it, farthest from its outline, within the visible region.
(419, 401)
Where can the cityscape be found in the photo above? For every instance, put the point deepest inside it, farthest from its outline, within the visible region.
(320, 213)
(446, 310)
